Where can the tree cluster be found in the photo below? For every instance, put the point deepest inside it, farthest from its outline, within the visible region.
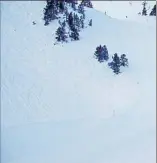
(54, 7)
(101, 54)
(74, 24)
(72, 21)
(144, 10)
(117, 62)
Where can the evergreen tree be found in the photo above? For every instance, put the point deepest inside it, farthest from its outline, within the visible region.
(144, 11)
(61, 6)
(153, 12)
(115, 64)
(90, 22)
(81, 10)
(66, 14)
(62, 24)
(87, 3)
(61, 34)
(123, 60)
(77, 22)
(50, 11)
(101, 53)
(74, 34)
(71, 21)
(73, 5)
(81, 21)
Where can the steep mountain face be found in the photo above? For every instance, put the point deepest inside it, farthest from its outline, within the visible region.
(59, 104)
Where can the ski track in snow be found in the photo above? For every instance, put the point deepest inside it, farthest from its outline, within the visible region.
(60, 105)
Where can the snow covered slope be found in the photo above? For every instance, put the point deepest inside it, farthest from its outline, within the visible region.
(121, 9)
(58, 104)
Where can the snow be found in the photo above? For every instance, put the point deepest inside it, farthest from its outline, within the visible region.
(58, 104)
(121, 9)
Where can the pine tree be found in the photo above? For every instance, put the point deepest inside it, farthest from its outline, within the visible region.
(123, 60)
(153, 12)
(62, 24)
(74, 34)
(66, 14)
(144, 11)
(61, 6)
(101, 53)
(50, 11)
(73, 5)
(81, 21)
(105, 53)
(90, 22)
(61, 34)
(77, 22)
(115, 64)
(71, 21)
(81, 10)
(87, 3)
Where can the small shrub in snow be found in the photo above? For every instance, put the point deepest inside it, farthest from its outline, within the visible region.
(101, 53)
(115, 64)
(34, 23)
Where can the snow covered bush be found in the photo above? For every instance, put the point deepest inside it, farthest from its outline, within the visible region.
(101, 53)
(70, 13)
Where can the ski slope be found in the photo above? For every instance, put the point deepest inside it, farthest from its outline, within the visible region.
(58, 104)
